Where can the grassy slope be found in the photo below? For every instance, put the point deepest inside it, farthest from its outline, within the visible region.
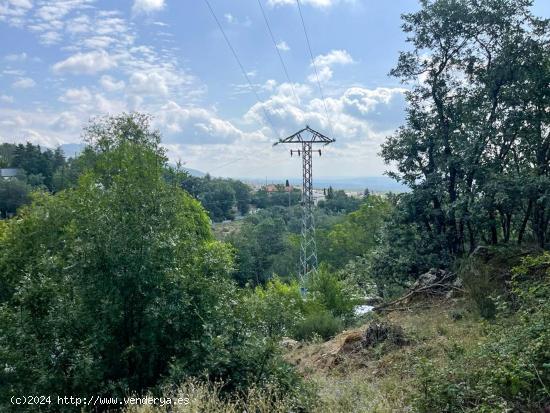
(382, 379)
(348, 378)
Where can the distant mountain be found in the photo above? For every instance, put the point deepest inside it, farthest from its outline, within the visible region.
(373, 183)
(195, 172)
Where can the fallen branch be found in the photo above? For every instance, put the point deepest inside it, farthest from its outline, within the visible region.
(440, 286)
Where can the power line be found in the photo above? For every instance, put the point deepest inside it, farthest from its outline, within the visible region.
(278, 52)
(314, 66)
(241, 66)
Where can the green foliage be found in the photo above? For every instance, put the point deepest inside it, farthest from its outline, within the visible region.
(281, 309)
(404, 251)
(281, 196)
(277, 307)
(339, 202)
(357, 234)
(112, 286)
(318, 324)
(264, 246)
(510, 370)
(14, 193)
(220, 197)
(330, 292)
(356, 276)
(473, 149)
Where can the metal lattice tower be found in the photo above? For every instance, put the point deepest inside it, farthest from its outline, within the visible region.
(307, 137)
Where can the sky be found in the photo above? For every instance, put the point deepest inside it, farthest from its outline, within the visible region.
(63, 62)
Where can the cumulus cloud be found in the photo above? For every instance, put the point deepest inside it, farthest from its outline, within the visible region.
(50, 38)
(76, 96)
(324, 74)
(158, 81)
(24, 83)
(324, 62)
(322, 4)
(195, 125)
(353, 114)
(85, 63)
(333, 57)
(6, 98)
(282, 46)
(147, 6)
(110, 84)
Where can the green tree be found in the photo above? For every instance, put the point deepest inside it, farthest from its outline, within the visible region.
(111, 286)
(14, 193)
(356, 235)
(474, 147)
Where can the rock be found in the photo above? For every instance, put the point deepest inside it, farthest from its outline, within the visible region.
(289, 343)
(362, 309)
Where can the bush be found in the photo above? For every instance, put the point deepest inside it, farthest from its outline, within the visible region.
(510, 370)
(330, 293)
(322, 324)
(211, 398)
(276, 308)
(115, 285)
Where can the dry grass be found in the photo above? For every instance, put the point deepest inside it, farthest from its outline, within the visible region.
(353, 380)
(208, 398)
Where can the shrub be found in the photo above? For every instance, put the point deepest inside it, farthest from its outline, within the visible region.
(323, 324)
(112, 286)
(276, 308)
(210, 397)
(510, 370)
(330, 293)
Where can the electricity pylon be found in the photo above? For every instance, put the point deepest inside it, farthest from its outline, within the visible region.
(307, 137)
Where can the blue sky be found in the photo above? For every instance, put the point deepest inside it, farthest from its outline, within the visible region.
(64, 61)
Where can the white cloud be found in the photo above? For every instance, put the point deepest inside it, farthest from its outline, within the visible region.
(333, 57)
(13, 72)
(322, 4)
(76, 96)
(229, 17)
(324, 63)
(6, 98)
(366, 100)
(147, 6)
(14, 11)
(50, 38)
(194, 124)
(148, 84)
(24, 83)
(53, 11)
(351, 113)
(157, 81)
(26, 4)
(324, 74)
(282, 46)
(80, 24)
(110, 84)
(16, 57)
(86, 63)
